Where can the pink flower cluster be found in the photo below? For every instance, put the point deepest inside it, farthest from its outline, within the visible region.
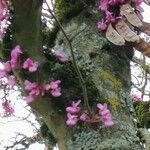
(105, 114)
(13, 63)
(30, 65)
(15, 56)
(36, 90)
(54, 88)
(74, 115)
(8, 66)
(106, 7)
(8, 109)
(4, 15)
(60, 56)
(111, 10)
(136, 97)
(33, 89)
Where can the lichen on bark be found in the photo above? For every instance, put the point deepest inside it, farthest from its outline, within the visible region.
(90, 46)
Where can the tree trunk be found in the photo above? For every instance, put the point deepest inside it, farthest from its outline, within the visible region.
(105, 68)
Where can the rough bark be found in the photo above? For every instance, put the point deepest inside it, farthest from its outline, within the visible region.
(105, 68)
(27, 31)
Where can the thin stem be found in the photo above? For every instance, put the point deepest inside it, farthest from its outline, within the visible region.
(83, 85)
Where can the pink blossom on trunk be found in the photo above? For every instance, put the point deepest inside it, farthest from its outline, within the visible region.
(29, 85)
(56, 92)
(75, 108)
(60, 55)
(105, 115)
(54, 84)
(109, 17)
(103, 5)
(102, 25)
(15, 55)
(30, 65)
(71, 119)
(54, 88)
(34, 91)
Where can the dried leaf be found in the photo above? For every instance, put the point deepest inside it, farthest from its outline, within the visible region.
(143, 47)
(113, 36)
(146, 28)
(130, 15)
(123, 29)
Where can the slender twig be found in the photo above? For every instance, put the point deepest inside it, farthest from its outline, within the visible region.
(83, 85)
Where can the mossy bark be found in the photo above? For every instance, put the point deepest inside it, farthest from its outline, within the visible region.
(105, 68)
(108, 68)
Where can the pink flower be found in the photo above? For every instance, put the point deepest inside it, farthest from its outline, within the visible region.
(105, 115)
(56, 92)
(30, 65)
(11, 81)
(72, 119)
(103, 5)
(75, 108)
(102, 25)
(16, 52)
(29, 85)
(109, 17)
(60, 56)
(8, 109)
(34, 91)
(72, 113)
(53, 88)
(135, 97)
(54, 84)
(15, 55)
